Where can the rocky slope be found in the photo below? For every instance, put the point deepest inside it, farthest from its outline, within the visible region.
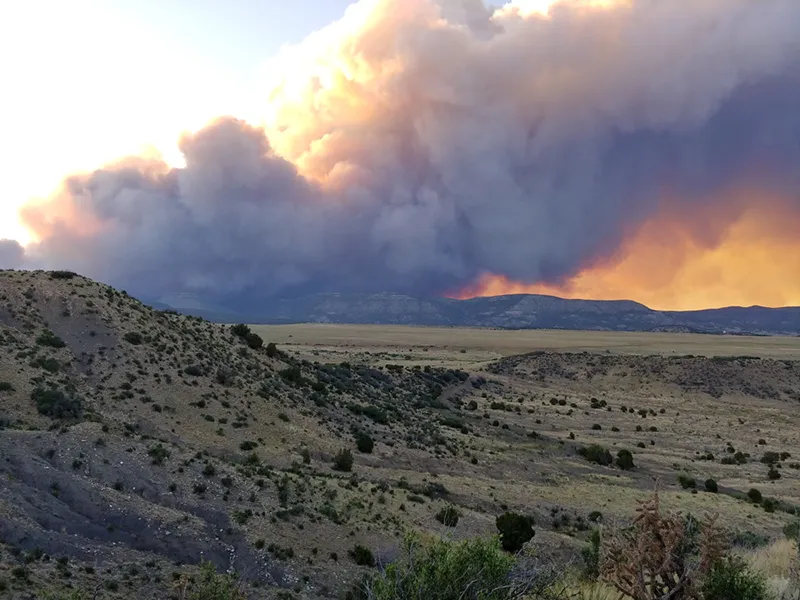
(131, 436)
(135, 443)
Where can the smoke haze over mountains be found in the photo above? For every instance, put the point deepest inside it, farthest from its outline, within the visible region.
(417, 146)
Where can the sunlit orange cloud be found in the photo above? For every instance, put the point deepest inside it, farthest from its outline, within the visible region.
(43, 218)
(667, 265)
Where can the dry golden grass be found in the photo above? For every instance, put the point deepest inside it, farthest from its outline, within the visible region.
(446, 344)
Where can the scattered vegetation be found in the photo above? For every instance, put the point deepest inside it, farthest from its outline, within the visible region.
(515, 530)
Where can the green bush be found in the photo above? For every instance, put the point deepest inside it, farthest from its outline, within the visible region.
(792, 530)
(50, 339)
(448, 516)
(625, 460)
(62, 275)
(5, 386)
(364, 443)
(212, 586)
(755, 496)
(711, 486)
(56, 404)
(362, 556)
(241, 330)
(474, 569)
(730, 579)
(254, 341)
(687, 481)
(272, 350)
(343, 461)
(515, 530)
(134, 338)
(591, 555)
(158, 453)
(596, 454)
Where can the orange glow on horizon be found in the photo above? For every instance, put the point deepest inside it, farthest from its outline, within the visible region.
(754, 261)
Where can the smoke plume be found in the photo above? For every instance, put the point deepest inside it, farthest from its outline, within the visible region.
(418, 146)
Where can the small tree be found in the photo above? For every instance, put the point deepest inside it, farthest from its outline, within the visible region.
(515, 530)
(448, 516)
(343, 460)
(625, 460)
(364, 443)
(596, 454)
(272, 350)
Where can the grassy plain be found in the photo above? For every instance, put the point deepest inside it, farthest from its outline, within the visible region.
(471, 346)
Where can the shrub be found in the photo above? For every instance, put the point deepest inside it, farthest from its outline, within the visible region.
(625, 460)
(241, 330)
(364, 443)
(56, 404)
(591, 555)
(62, 275)
(448, 516)
(792, 530)
(158, 453)
(50, 339)
(362, 556)
(272, 350)
(134, 338)
(686, 481)
(660, 555)
(254, 341)
(210, 585)
(595, 516)
(49, 364)
(773, 474)
(730, 579)
(755, 496)
(343, 461)
(748, 539)
(770, 458)
(194, 371)
(6, 386)
(515, 530)
(711, 486)
(474, 569)
(596, 454)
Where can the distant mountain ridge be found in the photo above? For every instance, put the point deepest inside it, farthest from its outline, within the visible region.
(516, 311)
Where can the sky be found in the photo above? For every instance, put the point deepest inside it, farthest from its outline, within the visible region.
(78, 78)
(603, 149)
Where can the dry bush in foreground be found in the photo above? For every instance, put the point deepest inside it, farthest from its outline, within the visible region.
(655, 559)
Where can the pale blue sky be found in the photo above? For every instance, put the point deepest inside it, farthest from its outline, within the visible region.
(240, 33)
(86, 81)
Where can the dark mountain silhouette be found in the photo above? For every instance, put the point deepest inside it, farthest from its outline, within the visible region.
(517, 311)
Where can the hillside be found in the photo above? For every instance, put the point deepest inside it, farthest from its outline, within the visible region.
(137, 442)
(521, 311)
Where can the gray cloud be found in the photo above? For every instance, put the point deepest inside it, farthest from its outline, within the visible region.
(504, 143)
(12, 255)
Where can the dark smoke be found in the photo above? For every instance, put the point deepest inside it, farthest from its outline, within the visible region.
(509, 144)
(12, 255)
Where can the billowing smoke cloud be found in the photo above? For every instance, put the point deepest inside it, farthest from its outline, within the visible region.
(12, 255)
(416, 145)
